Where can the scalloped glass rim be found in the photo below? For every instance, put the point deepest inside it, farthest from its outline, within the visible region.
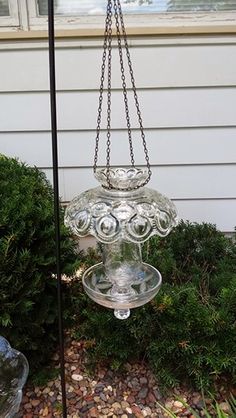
(109, 216)
(122, 177)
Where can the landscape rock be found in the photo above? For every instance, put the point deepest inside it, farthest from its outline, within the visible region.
(106, 394)
(77, 377)
(224, 406)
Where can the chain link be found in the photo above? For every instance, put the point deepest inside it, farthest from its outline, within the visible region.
(135, 92)
(123, 79)
(103, 68)
(107, 48)
(109, 98)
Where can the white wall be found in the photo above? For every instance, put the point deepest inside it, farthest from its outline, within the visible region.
(187, 90)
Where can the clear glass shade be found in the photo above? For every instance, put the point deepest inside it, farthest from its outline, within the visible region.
(13, 374)
(111, 215)
(121, 220)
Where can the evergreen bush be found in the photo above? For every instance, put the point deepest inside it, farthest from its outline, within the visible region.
(188, 332)
(28, 298)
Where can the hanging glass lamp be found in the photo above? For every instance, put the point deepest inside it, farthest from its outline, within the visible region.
(122, 213)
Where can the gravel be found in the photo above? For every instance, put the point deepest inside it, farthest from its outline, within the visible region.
(133, 394)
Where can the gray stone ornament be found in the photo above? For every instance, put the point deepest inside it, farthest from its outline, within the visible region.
(14, 371)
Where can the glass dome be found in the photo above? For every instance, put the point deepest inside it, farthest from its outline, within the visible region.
(121, 220)
(14, 370)
(111, 215)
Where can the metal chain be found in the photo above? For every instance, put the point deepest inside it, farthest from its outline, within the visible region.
(103, 68)
(135, 93)
(107, 48)
(125, 94)
(109, 35)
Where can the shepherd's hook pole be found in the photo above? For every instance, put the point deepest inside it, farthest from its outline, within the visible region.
(51, 36)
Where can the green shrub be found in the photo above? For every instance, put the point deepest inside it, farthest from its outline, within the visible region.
(189, 330)
(191, 253)
(28, 298)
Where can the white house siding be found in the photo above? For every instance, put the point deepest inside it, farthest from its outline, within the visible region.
(187, 90)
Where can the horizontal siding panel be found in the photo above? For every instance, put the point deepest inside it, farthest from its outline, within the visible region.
(221, 212)
(161, 108)
(79, 68)
(168, 146)
(22, 145)
(182, 182)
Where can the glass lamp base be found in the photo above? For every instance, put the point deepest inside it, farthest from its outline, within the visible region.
(137, 293)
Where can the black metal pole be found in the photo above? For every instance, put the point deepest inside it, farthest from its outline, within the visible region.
(51, 35)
